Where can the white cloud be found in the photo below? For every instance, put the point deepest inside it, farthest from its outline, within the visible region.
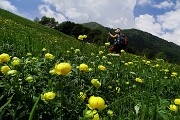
(164, 5)
(143, 2)
(165, 26)
(109, 13)
(5, 4)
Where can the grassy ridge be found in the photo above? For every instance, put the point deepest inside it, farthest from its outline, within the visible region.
(132, 87)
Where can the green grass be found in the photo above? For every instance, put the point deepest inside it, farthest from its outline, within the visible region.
(19, 36)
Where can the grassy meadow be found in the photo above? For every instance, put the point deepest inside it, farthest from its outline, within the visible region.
(47, 75)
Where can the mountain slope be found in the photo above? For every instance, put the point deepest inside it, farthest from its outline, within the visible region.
(145, 43)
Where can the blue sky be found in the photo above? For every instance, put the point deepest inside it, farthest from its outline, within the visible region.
(158, 17)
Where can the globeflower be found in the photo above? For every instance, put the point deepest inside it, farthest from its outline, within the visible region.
(12, 72)
(48, 96)
(16, 62)
(5, 69)
(173, 108)
(107, 44)
(83, 67)
(174, 74)
(177, 101)
(139, 80)
(96, 83)
(44, 49)
(62, 68)
(101, 67)
(29, 79)
(96, 103)
(49, 56)
(4, 57)
(92, 115)
(101, 52)
(122, 51)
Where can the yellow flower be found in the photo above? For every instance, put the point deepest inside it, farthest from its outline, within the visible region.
(16, 62)
(62, 68)
(80, 37)
(166, 70)
(77, 50)
(52, 72)
(101, 67)
(28, 54)
(110, 113)
(29, 79)
(84, 36)
(130, 63)
(12, 72)
(107, 44)
(122, 51)
(118, 89)
(109, 63)
(126, 64)
(96, 115)
(44, 49)
(82, 95)
(83, 67)
(148, 62)
(49, 56)
(96, 103)
(139, 80)
(4, 57)
(104, 57)
(101, 52)
(48, 96)
(177, 101)
(91, 115)
(157, 65)
(173, 108)
(174, 74)
(96, 83)
(5, 69)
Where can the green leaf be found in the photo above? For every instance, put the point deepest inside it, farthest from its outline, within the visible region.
(33, 109)
(6, 103)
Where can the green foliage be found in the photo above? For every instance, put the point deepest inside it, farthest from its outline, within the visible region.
(127, 98)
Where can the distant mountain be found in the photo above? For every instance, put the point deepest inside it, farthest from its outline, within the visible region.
(141, 43)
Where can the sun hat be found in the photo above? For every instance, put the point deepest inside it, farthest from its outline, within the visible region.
(117, 30)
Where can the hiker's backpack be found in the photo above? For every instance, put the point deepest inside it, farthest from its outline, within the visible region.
(122, 39)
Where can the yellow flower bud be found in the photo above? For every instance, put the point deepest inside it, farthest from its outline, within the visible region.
(101, 67)
(83, 67)
(101, 52)
(5, 69)
(4, 57)
(48, 96)
(29, 79)
(16, 62)
(96, 83)
(44, 49)
(122, 51)
(49, 56)
(63, 68)
(110, 113)
(173, 108)
(177, 101)
(139, 80)
(107, 44)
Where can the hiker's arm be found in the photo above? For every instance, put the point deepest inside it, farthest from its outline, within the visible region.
(113, 36)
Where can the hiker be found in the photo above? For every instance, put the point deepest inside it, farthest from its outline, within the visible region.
(116, 47)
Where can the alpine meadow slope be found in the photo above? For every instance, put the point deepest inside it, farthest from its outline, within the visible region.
(143, 43)
(45, 74)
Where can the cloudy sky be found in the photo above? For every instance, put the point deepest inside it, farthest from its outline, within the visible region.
(158, 17)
